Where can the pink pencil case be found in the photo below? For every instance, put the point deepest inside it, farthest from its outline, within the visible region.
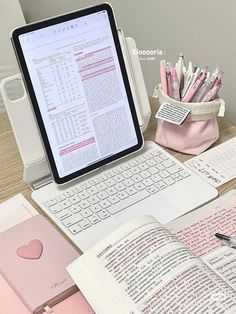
(198, 132)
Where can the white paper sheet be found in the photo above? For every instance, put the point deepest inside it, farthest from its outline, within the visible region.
(14, 211)
(217, 165)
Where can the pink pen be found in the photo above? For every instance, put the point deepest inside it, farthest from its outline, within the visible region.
(163, 76)
(169, 81)
(175, 84)
(214, 90)
(192, 91)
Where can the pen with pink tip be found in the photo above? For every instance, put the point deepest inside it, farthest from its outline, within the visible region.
(175, 84)
(214, 90)
(163, 76)
(193, 90)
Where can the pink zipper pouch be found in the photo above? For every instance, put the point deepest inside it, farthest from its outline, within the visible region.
(197, 132)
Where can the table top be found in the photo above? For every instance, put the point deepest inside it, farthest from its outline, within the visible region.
(11, 168)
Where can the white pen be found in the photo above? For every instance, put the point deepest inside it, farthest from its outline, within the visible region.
(230, 240)
(187, 77)
(179, 69)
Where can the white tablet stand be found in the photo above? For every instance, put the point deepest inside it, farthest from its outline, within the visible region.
(36, 169)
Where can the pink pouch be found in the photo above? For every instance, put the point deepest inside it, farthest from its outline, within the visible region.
(198, 132)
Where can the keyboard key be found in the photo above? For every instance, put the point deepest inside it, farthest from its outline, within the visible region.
(153, 170)
(128, 182)
(133, 163)
(75, 229)
(94, 181)
(85, 185)
(103, 214)
(184, 173)
(127, 174)
(119, 178)
(151, 162)
(125, 166)
(160, 185)
(93, 199)
(168, 163)
(55, 209)
(110, 182)
(143, 166)
(75, 209)
(101, 186)
(128, 202)
(152, 189)
(84, 204)
(155, 152)
(177, 177)
(95, 208)
(63, 214)
(148, 156)
(86, 213)
(164, 156)
(139, 186)
(117, 170)
(93, 190)
(175, 168)
(113, 199)
(83, 195)
(148, 182)
(137, 178)
(131, 190)
(160, 167)
(60, 197)
(102, 177)
(104, 203)
(77, 189)
(156, 177)
(145, 174)
(74, 199)
(111, 191)
(158, 159)
(122, 195)
(72, 220)
(65, 204)
(164, 174)
(120, 186)
(135, 170)
(84, 224)
(50, 202)
(140, 159)
(169, 181)
(94, 219)
(102, 195)
(68, 193)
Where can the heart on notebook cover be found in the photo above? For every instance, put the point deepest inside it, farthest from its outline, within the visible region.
(33, 250)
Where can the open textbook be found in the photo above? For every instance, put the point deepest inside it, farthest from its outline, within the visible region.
(143, 268)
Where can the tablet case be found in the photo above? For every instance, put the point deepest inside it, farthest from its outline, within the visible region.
(36, 169)
(33, 260)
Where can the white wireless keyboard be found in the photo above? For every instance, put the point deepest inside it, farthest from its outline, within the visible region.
(102, 196)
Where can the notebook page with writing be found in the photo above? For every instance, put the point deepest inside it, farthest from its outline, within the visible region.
(197, 231)
(217, 165)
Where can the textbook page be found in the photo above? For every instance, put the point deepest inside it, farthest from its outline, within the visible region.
(143, 268)
(197, 231)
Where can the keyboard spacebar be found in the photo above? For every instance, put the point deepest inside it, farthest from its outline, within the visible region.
(128, 202)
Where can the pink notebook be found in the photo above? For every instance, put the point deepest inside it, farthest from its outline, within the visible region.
(12, 304)
(33, 260)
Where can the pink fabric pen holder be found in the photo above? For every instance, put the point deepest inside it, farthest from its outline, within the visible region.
(198, 132)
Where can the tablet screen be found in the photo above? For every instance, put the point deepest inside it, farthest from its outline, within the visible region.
(75, 75)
